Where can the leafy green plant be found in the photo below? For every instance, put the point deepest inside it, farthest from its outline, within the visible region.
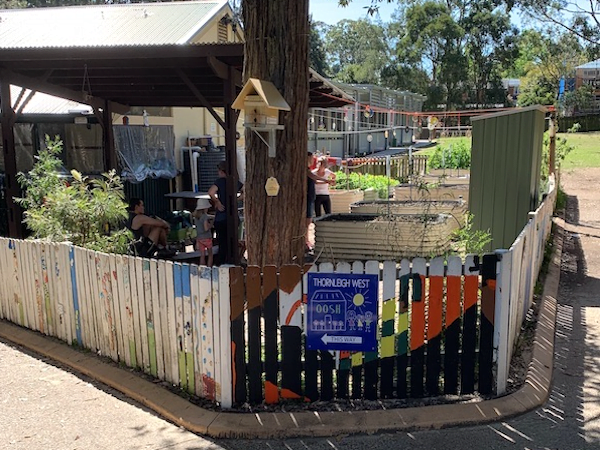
(455, 156)
(467, 240)
(88, 212)
(562, 149)
(364, 181)
(561, 199)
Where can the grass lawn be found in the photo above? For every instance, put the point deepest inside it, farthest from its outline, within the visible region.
(586, 152)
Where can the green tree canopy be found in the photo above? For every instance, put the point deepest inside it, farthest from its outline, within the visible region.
(316, 48)
(356, 51)
(544, 59)
(580, 18)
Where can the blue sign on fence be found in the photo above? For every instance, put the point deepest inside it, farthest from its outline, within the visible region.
(342, 312)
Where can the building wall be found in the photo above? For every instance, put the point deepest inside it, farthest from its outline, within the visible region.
(219, 31)
(590, 77)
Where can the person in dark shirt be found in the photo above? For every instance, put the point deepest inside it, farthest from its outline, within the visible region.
(152, 229)
(218, 194)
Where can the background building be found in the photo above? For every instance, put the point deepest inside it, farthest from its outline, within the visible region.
(589, 74)
(383, 114)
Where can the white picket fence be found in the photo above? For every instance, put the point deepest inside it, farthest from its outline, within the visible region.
(517, 273)
(168, 319)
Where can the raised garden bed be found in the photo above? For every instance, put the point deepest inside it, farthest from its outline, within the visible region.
(454, 208)
(341, 199)
(370, 195)
(439, 192)
(449, 173)
(371, 236)
(448, 179)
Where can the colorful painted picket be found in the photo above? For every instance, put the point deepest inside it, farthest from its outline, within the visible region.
(156, 316)
(421, 314)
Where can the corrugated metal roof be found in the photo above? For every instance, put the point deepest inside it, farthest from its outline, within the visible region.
(106, 25)
(42, 103)
(590, 65)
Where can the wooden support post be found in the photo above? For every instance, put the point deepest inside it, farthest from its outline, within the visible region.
(552, 145)
(110, 155)
(15, 214)
(231, 203)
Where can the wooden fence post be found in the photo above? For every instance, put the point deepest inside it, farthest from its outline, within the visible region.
(254, 305)
(238, 337)
(388, 329)
(417, 327)
(224, 335)
(270, 315)
(75, 294)
(486, 331)
(290, 323)
(434, 324)
(453, 324)
(501, 318)
(470, 318)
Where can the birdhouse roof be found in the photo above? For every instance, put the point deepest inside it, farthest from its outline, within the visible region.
(265, 90)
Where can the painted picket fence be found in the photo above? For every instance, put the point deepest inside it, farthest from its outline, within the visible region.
(235, 336)
(518, 270)
(167, 319)
(435, 333)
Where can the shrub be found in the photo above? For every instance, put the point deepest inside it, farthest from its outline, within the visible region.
(466, 240)
(87, 212)
(562, 149)
(361, 181)
(456, 156)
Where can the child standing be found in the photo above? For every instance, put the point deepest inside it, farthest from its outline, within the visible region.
(204, 224)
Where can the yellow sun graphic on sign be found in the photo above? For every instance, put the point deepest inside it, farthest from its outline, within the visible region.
(358, 299)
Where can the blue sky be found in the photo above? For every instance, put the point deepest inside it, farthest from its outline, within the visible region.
(329, 12)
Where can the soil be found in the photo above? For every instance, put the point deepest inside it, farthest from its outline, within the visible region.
(435, 218)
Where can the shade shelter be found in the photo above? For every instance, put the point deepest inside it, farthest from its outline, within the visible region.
(111, 78)
(116, 78)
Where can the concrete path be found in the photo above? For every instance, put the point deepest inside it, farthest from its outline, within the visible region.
(43, 406)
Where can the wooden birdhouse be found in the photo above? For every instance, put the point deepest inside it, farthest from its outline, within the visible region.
(261, 102)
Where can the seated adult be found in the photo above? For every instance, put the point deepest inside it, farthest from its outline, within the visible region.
(152, 229)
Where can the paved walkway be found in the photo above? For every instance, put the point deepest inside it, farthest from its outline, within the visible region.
(43, 406)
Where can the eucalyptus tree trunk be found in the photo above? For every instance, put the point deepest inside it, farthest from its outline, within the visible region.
(276, 50)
